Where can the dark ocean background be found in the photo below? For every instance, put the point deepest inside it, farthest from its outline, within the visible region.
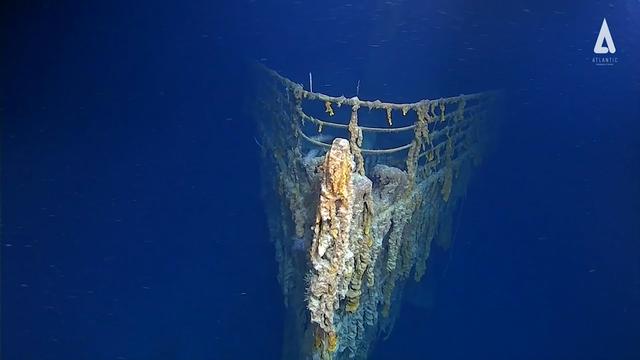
(132, 220)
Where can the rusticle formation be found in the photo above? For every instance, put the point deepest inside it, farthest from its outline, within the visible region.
(353, 213)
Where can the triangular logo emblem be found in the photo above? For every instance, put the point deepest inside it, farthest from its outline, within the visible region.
(604, 37)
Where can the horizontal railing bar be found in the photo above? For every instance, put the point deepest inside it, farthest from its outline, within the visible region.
(439, 133)
(377, 104)
(364, 151)
(324, 123)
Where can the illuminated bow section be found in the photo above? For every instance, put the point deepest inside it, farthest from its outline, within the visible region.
(354, 203)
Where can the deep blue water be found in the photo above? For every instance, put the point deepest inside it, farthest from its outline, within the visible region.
(132, 223)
